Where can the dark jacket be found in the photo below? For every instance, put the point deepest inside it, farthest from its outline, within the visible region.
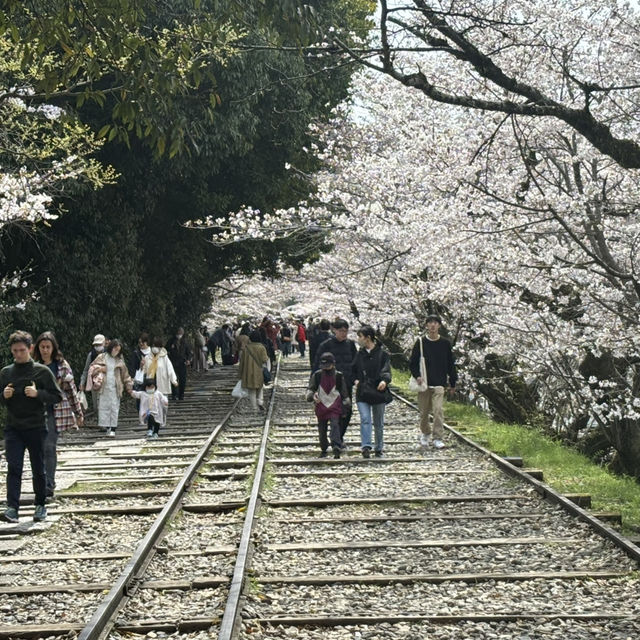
(374, 365)
(439, 360)
(344, 352)
(315, 340)
(25, 413)
(179, 352)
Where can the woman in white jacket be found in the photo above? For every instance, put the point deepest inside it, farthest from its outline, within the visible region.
(157, 365)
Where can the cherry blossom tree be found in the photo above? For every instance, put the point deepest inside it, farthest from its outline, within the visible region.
(500, 209)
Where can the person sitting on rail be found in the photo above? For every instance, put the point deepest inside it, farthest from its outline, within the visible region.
(328, 390)
(153, 407)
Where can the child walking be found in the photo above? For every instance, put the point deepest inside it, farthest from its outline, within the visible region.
(328, 390)
(153, 407)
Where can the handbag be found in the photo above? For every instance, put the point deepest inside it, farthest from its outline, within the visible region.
(413, 382)
(239, 391)
(266, 374)
(368, 392)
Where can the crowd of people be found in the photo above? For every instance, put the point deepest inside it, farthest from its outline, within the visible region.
(42, 399)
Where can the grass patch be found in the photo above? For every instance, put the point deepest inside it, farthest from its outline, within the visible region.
(565, 469)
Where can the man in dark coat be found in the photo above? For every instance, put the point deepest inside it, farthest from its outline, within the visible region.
(317, 336)
(27, 388)
(344, 351)
(180, 355)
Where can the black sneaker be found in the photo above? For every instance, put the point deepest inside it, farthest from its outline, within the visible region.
(40, 513)
(366, 452)
(323, 454)
(336, 453)
(10, 515)
(379, 454)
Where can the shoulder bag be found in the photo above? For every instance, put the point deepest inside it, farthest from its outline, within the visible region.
(413, 382)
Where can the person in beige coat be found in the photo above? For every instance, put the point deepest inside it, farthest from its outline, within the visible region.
(252, 358)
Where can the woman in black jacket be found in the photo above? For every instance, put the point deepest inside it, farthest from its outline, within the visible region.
(372, 375)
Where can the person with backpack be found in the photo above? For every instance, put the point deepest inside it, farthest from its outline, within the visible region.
(328, 390)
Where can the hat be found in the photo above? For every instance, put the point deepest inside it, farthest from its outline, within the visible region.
(327, 360)
(98, 339)
(433, 318)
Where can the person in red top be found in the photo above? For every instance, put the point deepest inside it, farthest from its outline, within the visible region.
(301, 338)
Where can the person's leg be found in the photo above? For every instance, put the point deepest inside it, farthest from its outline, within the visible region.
(335, 433)
(322, 435)
(378, 423)
(438, 414)
(253, 398)
(365, 425)
(424, 403)
(35, 439)
(182, 381)
(345, 418)
(50, 453)
(260, 397)
(14, 447)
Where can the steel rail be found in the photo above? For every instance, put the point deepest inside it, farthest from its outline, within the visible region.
(545, 491)
(100, 624)
(232, 608)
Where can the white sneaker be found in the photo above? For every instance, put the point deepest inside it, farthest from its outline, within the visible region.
(425, 441)
(150, 433)
(438, 444)
(111, 433)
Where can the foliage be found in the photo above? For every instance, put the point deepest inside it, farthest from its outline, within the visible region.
(121, 260)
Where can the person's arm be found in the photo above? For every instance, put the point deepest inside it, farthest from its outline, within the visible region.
(85, 371)
(385, 369)
(453, 374)
(414, 360)
(48, 391)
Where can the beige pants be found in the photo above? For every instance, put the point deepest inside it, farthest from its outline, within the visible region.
(430, 401)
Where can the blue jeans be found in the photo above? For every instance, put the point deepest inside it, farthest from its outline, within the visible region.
(16, 441)
(369, 412)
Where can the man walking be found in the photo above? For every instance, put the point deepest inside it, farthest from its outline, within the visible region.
(344, 351)
(27, 388)
(438, 358)
(180, 355)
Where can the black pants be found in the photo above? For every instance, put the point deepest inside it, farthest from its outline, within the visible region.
(181, 374)
(334, 434)
(153, 424)
(16, 441)
(345, 418)
(301, 348)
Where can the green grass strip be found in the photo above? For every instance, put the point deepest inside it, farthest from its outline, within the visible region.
(565, 469)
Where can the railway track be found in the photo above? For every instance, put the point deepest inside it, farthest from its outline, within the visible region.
(230, 526)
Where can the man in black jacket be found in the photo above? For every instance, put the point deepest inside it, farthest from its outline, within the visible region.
(180, 354)
(317, 335)
(344, 351)
(27, 388)
(438, 357)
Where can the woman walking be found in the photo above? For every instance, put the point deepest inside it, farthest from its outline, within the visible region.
(253, 358)
(158, 366)
(372, 375)
(109, 373)
(68, 413)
